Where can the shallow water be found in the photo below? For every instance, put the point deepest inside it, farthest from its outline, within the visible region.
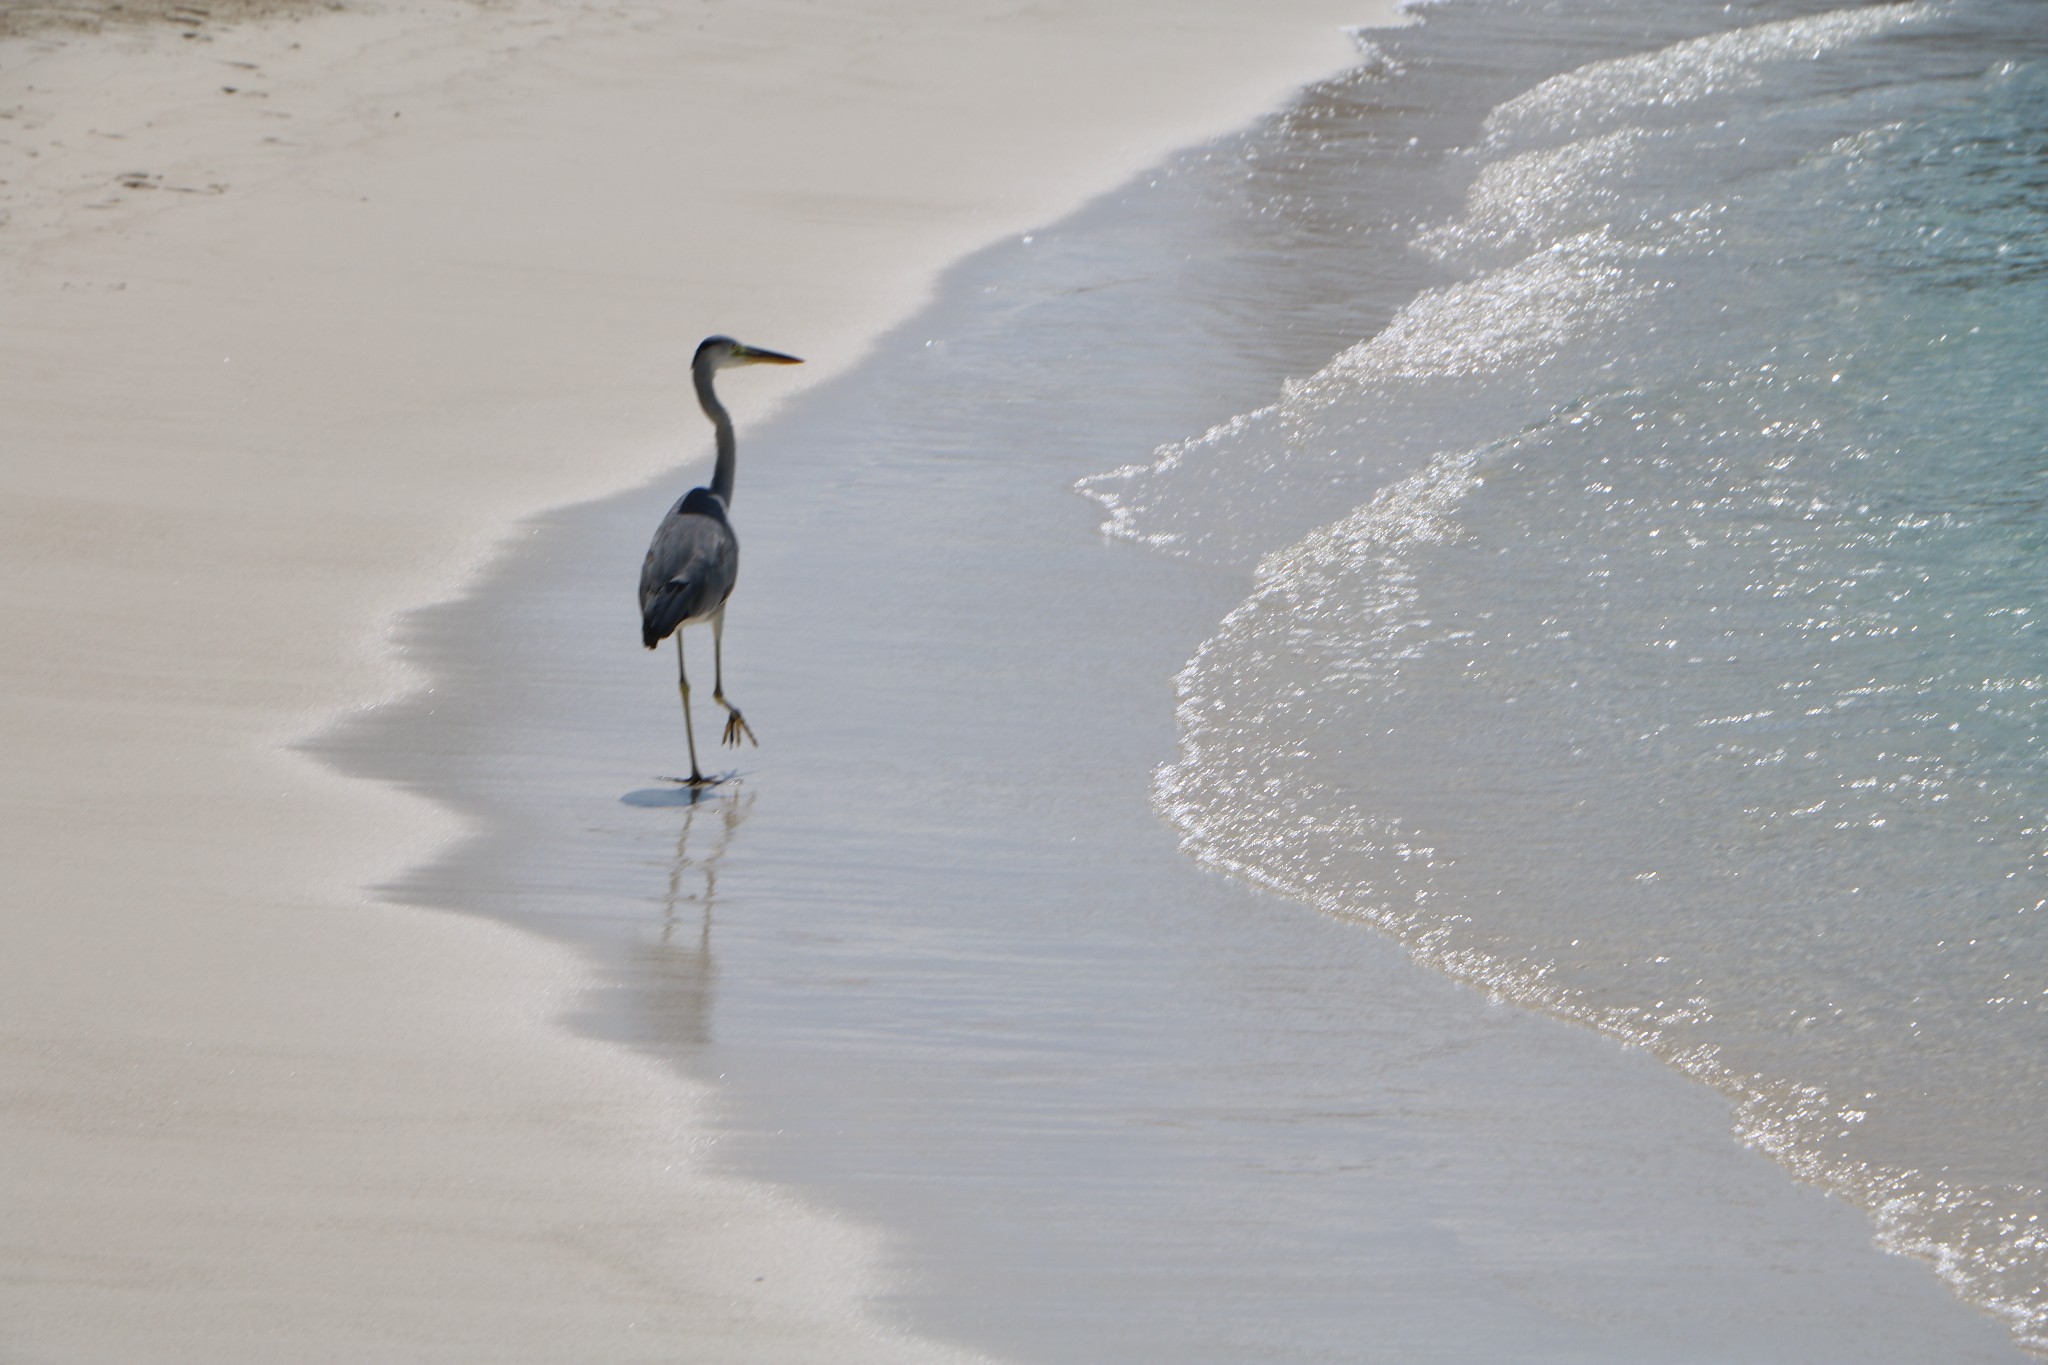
(1690, 684)
(949, 966)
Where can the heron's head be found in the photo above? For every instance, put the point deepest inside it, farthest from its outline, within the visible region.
(722, 353)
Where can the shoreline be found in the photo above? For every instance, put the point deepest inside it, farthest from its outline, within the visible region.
(248, 1101)
(948, 966)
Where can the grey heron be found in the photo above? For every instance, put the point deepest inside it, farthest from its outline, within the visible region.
(694, 559)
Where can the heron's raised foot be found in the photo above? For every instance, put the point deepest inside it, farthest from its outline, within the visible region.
(736, 726)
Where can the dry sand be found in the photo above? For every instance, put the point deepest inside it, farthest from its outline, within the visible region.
(300, 316)
(191, 17)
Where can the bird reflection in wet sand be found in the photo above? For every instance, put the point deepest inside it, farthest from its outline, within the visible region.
(679, 965)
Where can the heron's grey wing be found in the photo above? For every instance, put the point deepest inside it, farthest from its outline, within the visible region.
(690, 568)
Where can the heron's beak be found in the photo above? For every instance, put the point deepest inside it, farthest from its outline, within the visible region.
(754, 355)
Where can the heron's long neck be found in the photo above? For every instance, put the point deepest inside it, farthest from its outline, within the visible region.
(722, 472)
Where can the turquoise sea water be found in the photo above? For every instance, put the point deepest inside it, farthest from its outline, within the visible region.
(1647, 620)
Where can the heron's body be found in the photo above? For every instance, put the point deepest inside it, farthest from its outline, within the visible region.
(694, 559)
(691, 566)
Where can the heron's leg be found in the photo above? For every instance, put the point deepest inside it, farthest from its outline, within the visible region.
(697, 778)
(735, 723)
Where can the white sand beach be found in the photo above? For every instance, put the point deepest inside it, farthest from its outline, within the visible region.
(301, 313)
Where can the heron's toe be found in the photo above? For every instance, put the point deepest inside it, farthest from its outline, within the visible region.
(736, 727)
